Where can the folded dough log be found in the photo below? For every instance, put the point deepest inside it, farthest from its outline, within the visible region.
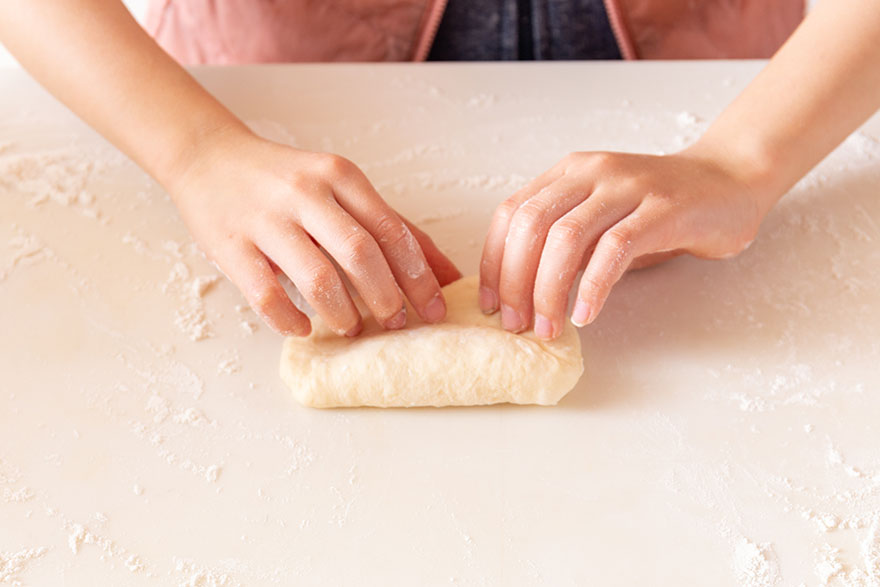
(466, 360)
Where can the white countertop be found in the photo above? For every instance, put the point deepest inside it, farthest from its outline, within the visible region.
(725, 431)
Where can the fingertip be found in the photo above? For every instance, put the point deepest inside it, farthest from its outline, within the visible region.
(435, 310)
(582, 314)
(544, 328)
(355, 330)
(511, 319)
(488, 300)
(397, 321)
(298, 328)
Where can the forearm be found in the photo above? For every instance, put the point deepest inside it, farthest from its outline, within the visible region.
(822, 84)
(94, 57)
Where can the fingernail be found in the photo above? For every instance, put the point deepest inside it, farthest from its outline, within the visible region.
(435, 311)
(488, 301)
(510, 319)
(580, 316)
(398, 321)
(356, 330)
(543, 327)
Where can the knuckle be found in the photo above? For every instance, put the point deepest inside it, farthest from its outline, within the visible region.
(620, 238)
(600, 161)
(391, 232)
(298, 182)
(265, 300)
(547, 296)
(566, 233)
(358, 246)
(529, 217)
(271, 222)
(334, 165)
(488, 265)
(591, 286)
(320, 278)
(506, 210)
(573, 158)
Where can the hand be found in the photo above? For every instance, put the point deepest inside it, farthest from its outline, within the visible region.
(606, 212)
(254, 206)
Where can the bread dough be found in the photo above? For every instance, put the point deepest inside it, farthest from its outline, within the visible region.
(466, 360)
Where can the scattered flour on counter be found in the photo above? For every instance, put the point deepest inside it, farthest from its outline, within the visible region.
(405, 156)
(830, 568)
(834, 458)
(192, 417)
(159, 407)
(847, 514)
(482, 101)
(506, 184)
(342, 507)
(755, 565)
(792, 384)
(202, 285)
(247, 323)
(13, 564)
(190, 317)
(686, 119)
(62, 176)
(438, 216)
(210, 473)
(78, 536)
(870, 551)
(20, 495)
(230, 363)
(192, 321)
(300, 455)
(509, 183)
(863, 144)
(134, 564)
(195, 575)
(170, 250)
(23, 249)
(12, 489)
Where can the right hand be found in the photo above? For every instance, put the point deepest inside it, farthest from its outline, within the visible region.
(254, 205)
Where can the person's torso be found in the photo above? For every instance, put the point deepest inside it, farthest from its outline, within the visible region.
(256, 31)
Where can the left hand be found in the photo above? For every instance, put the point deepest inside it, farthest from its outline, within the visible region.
(607, 212)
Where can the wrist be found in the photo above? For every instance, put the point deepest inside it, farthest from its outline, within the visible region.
(199, 148)
(745, 160)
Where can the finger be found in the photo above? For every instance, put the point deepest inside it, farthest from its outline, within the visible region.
(493, 248)
(566, 251)
(398, 244)
(360, 257)
(444, 269)
(313, 275)
(525, 241)
(251, 272)
(639, 233)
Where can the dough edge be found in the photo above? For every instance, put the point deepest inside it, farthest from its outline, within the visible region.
(467, 360)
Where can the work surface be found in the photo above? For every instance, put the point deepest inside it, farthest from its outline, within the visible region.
(725, 431)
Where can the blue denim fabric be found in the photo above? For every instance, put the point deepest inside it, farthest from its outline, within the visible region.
(509, 30)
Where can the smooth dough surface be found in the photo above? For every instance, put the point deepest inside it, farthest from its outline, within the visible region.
(466, 360)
